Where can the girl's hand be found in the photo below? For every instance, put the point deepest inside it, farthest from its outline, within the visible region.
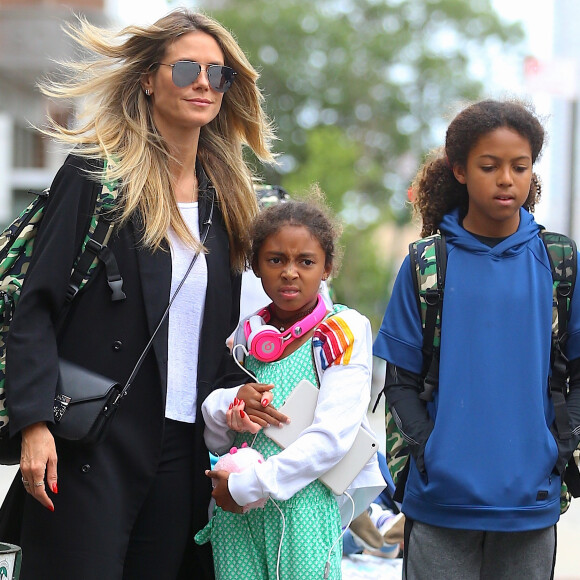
(37, 460)
(221, 492)
(258, 398)
(240, 421)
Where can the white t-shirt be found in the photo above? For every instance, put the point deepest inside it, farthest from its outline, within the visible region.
(185, 320)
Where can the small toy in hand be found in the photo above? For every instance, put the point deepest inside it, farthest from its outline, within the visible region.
(237, 460)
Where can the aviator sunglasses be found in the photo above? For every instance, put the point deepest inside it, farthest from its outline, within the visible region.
(185, 72)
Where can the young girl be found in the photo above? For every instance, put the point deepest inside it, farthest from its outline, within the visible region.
(482, 496)
(297, 532)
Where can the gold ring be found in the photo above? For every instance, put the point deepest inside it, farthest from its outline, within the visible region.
(38, 483)
(25, 482)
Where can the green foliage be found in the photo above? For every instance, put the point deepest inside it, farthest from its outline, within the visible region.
(360, 90)
(328, 160)
(364, 280)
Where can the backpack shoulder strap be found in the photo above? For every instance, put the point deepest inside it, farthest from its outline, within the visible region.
(428, 259)
(94, 248)
(562, 255)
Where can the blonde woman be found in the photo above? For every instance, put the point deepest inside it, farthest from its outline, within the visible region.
(170, 108)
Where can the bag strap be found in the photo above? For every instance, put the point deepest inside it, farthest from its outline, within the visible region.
(562, 255)
(428, 262)
(203, 238)
(428, 259)
(572, 478)
(94, 248)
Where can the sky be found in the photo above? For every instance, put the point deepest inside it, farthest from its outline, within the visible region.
(536, 21)
(137, 11)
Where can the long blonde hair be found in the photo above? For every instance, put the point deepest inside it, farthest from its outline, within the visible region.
(115, 122)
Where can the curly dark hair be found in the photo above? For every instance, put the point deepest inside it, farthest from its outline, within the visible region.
(311, 213)
(435, 191)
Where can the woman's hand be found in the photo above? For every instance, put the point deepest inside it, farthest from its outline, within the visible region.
(38, 463)
(240, 421)
(257, 400)
(221, 492)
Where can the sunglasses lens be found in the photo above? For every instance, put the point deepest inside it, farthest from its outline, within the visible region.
(185, 72)
(220, 77)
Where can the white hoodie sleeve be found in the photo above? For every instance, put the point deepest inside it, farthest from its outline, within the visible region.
(218, 437)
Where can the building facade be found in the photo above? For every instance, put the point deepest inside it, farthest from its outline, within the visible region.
(31, 40)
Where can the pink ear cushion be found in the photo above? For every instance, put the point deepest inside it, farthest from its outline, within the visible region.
(265, 343)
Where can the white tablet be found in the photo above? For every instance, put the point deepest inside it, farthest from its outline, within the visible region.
(300, 406)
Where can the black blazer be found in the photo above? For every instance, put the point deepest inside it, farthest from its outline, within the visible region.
(108, 338)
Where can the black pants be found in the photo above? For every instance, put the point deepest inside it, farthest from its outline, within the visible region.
(159, 537)
(90, 541)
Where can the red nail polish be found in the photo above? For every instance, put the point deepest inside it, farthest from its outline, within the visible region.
(231, 405)
(242, 414)
(265, 402)
(236, 401)
(54, 488)
(51, 508)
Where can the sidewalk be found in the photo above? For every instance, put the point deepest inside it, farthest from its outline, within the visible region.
(365, 567)
(568, 555)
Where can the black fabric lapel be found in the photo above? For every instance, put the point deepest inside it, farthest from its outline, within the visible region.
(155, 274)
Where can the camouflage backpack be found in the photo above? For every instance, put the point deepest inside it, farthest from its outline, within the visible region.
(428, 258)
(16, 247)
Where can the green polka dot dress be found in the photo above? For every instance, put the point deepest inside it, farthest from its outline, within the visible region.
(246, 546)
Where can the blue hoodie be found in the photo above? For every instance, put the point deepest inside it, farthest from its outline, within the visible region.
(490, 459)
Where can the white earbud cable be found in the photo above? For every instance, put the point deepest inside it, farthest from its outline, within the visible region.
(239, 363)
(246, 371)
(281, 538)
(327, 565)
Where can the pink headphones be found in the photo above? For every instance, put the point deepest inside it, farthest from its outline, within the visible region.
(267, 343)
